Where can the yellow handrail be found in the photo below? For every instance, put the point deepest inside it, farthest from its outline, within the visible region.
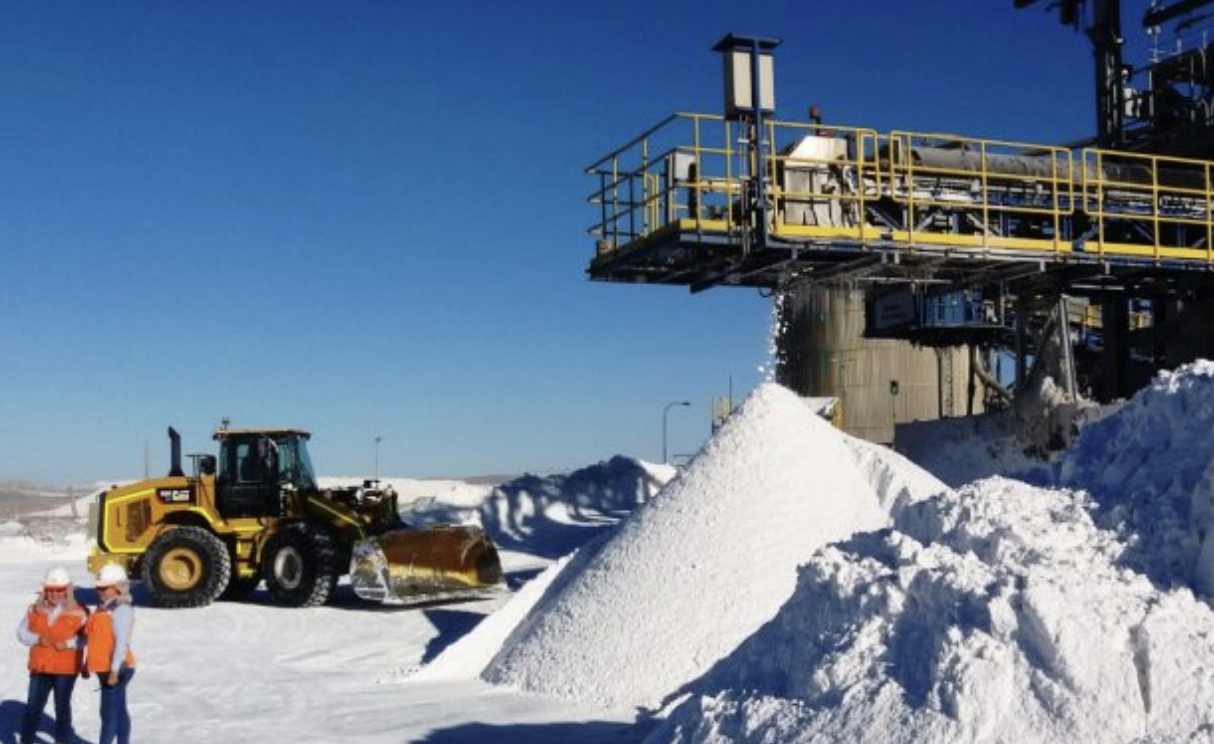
(1161, 181)
(862, 187)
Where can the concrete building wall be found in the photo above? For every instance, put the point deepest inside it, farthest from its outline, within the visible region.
(822, 351)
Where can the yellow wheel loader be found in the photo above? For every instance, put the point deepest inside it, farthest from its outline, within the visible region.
(256, 513)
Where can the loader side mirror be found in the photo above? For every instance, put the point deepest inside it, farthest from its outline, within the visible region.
(203, 464)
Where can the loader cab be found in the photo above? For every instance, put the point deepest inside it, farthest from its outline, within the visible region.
(257, 467)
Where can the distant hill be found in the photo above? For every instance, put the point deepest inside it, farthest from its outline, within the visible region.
(18, 498)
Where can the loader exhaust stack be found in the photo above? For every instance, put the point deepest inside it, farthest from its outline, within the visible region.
(175, 470)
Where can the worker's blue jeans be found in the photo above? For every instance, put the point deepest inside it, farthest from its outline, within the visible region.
(41, 687)
(115, 720)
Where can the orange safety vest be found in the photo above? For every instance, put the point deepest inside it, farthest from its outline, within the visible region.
(100, 631)
(48, 659)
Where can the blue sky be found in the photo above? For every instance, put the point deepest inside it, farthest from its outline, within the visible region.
(367, 218)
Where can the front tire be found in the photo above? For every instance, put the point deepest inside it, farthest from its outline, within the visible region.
(300, 566)
(186, 567)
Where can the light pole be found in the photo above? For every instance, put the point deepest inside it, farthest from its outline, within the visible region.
(378, 439)
(665, 411)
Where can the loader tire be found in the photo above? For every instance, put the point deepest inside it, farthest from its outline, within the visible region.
(300, 566)
(186, 567)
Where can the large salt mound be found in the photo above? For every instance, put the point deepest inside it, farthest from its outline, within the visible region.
(999, 613)
(1148, 467)
(552, 515)
(547, 516)
(699, 568)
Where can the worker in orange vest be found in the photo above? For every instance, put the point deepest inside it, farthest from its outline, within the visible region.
(50, 628)
(109, 651)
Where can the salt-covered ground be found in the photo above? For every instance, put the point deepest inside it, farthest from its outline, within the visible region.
(791, 585)
(252, 672)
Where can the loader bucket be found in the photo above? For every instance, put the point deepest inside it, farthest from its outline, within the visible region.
(414, 565)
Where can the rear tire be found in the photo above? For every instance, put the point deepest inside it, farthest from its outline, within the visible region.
(300, 566)
(186, 567)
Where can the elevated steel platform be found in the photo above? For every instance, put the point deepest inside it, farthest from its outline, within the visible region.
(676, 207)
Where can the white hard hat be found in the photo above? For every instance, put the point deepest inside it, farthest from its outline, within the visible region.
(57, 578)
(111, 574)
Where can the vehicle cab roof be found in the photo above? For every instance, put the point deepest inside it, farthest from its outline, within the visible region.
(274, 434)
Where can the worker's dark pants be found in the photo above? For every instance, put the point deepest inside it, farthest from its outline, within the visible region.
(115, 720)
(41, 687)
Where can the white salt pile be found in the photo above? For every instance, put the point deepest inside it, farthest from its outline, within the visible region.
(542, 515)
(964, 449)
(699, 568)
(1002, 612)
(995, 614)
(551, 515)
(1149, 469)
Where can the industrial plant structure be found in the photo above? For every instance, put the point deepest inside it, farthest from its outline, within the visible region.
(923, 276)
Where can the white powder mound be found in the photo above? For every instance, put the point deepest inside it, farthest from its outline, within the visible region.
(894, 479)
(999, 613)
(468, 656)
(965, 449)
(549, 516)
(1148, 467)
(699, 568)
(553, 515)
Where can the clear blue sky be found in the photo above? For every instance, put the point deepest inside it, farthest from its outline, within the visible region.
(367, 218)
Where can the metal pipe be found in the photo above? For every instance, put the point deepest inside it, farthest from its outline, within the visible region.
(960, 161)
(1066, 352)
(1158, 16)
